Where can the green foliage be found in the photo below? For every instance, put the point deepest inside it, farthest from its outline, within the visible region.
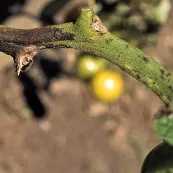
(164, 128)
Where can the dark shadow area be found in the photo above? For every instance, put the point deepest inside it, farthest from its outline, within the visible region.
(5, 8)
(107, 7)
(31, 96)
(51, 69)
(50, 10)
(160, 159)
(152, 27)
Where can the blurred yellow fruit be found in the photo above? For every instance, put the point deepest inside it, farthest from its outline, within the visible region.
(87, 66)
(107, 86)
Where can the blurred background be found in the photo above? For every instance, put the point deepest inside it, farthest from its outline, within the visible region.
(73, 112)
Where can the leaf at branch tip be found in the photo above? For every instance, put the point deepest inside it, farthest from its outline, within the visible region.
(164, 128)
(24, 58)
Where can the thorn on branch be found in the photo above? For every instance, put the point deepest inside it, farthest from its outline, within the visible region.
(24, 58)
(98, 26)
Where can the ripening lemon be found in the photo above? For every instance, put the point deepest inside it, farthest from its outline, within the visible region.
(87, 66)
(107, 86)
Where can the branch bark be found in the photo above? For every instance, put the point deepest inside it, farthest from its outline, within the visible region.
(90, 35)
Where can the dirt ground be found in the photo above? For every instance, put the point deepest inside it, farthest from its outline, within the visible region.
(70, 131)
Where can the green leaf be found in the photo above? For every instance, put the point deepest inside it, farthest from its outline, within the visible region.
(164, 128)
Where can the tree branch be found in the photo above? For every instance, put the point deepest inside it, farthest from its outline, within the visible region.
(90, 35)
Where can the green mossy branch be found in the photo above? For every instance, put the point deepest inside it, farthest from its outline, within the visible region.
(130, 59)
(88, 34)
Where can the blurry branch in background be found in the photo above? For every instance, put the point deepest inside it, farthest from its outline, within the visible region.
(90, 35)
(92, 4)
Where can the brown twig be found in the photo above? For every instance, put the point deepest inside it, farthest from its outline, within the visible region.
(23, 44)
